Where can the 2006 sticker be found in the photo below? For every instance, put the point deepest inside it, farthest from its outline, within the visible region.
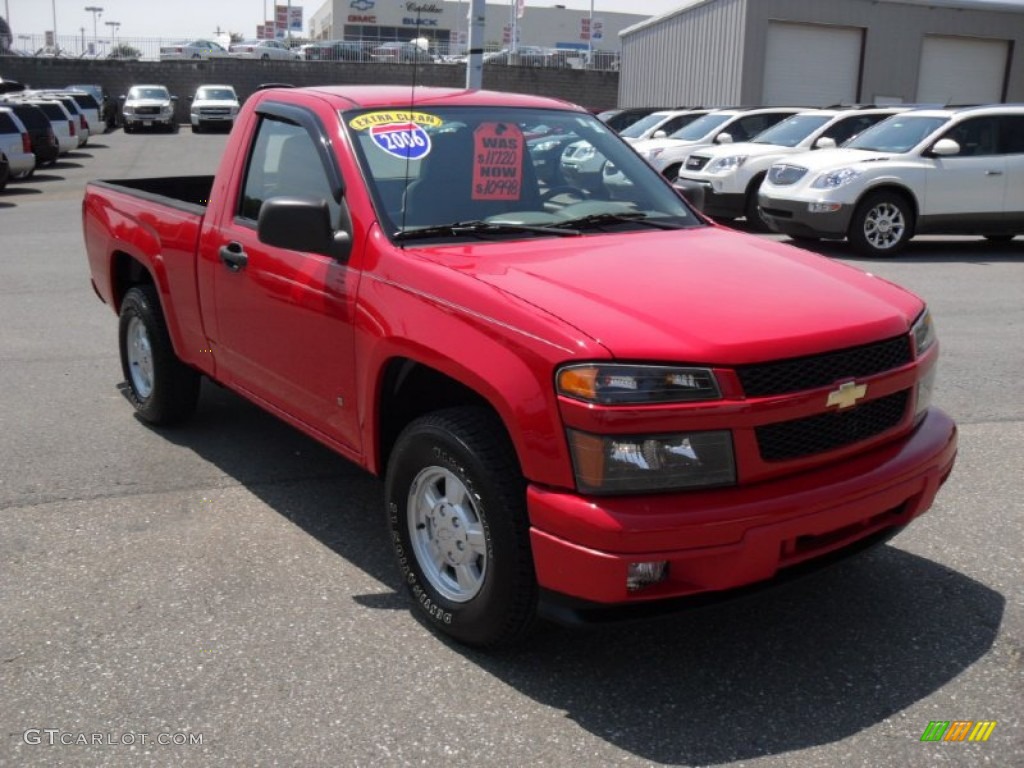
(399, 133)
(407, 141)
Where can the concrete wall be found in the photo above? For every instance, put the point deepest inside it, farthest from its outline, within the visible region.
(593, 89)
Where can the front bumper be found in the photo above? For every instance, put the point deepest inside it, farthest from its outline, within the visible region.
(792, 217)
(729, 538)
(723, 205)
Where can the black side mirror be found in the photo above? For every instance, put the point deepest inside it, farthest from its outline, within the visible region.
(302, 224)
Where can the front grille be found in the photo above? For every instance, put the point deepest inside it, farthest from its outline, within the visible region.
(214, 110)
(147, 110)
(801, 373)
(783, 175)
(828, 431)
(696, 162)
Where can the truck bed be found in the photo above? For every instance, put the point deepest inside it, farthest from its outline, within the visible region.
(190, 191)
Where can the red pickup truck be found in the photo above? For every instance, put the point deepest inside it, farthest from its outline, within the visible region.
(580, 400)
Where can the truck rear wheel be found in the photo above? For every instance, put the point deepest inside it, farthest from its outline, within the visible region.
(456, 507)
(163, 390)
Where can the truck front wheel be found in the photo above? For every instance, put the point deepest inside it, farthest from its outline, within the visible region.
(456, 507)
(162, 389)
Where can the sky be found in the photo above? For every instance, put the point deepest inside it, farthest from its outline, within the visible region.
(201, 18)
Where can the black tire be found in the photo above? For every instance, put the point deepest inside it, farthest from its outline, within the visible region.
(468, 566)
(172, 128)
(162, 389)
(882, 224)
(752, 211)
(197, 128)
(128, 128)
(999, 238)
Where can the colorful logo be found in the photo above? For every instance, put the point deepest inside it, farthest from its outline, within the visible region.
(362, 5)
(958, 730)
(407, 141)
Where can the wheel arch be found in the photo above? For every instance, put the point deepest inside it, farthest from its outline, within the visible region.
(896, 188)
(407, 389)
(126, 272)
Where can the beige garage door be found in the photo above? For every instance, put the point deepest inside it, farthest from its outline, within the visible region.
(962, 70)
(795, 52)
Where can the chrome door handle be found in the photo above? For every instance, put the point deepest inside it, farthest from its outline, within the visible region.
(993, 173)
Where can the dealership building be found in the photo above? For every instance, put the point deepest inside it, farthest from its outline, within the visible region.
(820, 52)
(445, 24)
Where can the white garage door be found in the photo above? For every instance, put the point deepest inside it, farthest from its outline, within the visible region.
(962, 70)
(795, 51)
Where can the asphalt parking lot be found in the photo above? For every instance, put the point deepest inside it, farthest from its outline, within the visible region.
(227, 587)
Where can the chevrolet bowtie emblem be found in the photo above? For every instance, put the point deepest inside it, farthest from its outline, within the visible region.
(848, 394)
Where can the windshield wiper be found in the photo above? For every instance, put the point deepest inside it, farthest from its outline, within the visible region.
(625, 217)
(482, 228)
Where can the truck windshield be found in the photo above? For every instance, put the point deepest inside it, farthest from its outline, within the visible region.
(489, 173)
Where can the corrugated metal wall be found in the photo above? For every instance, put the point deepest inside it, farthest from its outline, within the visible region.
(694, 57)
(714, 52)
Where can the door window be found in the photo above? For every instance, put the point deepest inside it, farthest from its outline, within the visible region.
(284, 163)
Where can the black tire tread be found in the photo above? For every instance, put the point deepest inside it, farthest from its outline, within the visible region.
(176, 385)
(482, 435)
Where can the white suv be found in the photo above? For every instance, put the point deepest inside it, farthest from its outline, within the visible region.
(16, 144)
(722, 180)
(721, 126)
(925, 171)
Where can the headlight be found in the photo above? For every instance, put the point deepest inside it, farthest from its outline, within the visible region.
(545, 146)
(836, 179)
(923, 332)
(610, 464)
(726, 164)
(618, 384)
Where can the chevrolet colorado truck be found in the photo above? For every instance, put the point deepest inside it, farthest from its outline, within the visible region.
(579, 405)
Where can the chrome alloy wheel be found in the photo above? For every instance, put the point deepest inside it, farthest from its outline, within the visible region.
(884, 226)
(447, 534)
(140, 357)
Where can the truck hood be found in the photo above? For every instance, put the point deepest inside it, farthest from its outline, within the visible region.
(706, 295)
(147, 103)
(215, 103)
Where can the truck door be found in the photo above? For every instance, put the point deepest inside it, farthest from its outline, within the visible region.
(284, 318)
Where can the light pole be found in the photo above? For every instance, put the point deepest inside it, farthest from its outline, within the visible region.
(53, 6)
(95, 10)
(113, 33)
(590, 38)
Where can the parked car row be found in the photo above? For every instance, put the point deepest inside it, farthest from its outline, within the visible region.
(874, 175)
(38, 126)
(248, 49)
(152, 106)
